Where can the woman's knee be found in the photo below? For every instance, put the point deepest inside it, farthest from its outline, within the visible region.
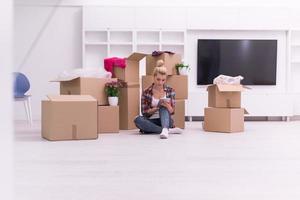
(164, 111)
(138, 119)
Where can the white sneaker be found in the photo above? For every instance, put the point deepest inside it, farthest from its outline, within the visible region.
(164, 134)
(175, 130)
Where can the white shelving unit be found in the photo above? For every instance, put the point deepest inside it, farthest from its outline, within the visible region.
(94, 47)
(294, 65)
(148, 41)
(99, 44)
(295, 60)
(173, 41)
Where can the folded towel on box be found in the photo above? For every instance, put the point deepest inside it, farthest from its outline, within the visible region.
(88, 72)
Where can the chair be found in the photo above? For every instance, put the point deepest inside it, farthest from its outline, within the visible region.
(21, 86)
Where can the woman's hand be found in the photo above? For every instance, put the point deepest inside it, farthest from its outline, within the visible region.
(153, 110)
(167, 105)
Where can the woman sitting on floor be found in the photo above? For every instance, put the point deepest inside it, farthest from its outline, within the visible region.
(158, 104)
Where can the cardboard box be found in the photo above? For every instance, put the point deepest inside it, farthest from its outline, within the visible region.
(178, 82)
(179, 116)
(85, 86)
(224, 96)
(108, 119)
(226, 120)
(170, 60)
(129, 103)
(131, 72)
(69, 117)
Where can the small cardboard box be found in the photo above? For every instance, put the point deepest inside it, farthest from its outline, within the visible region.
(108, 119)
(129, 103)
(179, 115)
(69, 117)
(85, 86)
(131, 72)
(170, 60)
(178, 82)
(224, 96)
(226, 120)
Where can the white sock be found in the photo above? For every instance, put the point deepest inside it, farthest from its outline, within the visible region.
(175, 130)
(164, 133)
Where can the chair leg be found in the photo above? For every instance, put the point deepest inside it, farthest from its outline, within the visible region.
(29, 109)
(26, 110)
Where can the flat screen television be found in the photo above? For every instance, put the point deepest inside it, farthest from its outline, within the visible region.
(255, 60)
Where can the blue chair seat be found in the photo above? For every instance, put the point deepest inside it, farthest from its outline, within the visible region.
(21, 86)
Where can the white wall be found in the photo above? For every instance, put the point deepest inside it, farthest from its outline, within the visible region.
(6, 146)
(59, 45)
(291, 3)
(47, 41)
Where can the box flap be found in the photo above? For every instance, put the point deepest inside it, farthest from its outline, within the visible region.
(62, 79)
(136, 56)
(71, 98)
(230, 88)
(209, 87)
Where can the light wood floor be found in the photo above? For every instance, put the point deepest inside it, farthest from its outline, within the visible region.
(263, 163)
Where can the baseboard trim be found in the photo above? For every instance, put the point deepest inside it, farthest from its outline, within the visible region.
(252, 118)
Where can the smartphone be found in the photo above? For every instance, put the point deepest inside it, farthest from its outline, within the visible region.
(163, 99)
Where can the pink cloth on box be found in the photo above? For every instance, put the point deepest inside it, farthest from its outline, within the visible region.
(110, 63)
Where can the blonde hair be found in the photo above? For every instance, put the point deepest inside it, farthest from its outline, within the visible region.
(160, 68)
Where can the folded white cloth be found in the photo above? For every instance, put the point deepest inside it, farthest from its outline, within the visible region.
(228, 80)
(83, 72)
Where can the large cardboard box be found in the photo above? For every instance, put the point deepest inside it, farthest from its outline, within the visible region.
(226, 120)
(129, 103)
(69, 117)
(131, 72)
(178, 82)
(108, 119)
(179, 115)
(85, 86)
(170, 60)
(224, 96)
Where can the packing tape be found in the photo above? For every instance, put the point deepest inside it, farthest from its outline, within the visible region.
(228, 103)
(74, 132)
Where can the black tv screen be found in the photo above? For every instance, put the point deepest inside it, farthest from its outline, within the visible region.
(255, 60)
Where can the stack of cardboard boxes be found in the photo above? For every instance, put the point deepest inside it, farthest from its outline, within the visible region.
(80, 112)
(224, 112)
(96, 88)
(178, 82)
(129, 95)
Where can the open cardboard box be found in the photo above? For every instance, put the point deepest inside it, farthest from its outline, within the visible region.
(170, 60)
(131, 72)
(225, 96)
(69, 117)
(85, 86)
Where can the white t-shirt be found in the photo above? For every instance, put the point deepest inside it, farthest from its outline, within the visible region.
(154, 103)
